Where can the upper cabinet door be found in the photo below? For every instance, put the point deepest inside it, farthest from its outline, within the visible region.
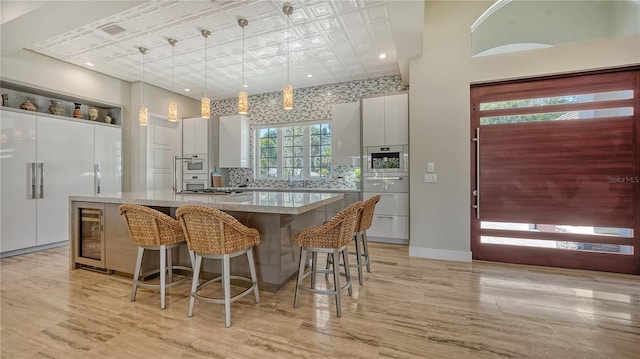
(373, 121)
(195, 136)
(396, 115)
(345, 133)
(234, 141)
(18, 204)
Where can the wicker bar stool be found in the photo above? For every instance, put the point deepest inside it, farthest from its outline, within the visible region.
(331, 237)
(211, 233)
(360, 235)
(153, 230)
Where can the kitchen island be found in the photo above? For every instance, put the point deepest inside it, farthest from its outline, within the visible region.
(99, 239)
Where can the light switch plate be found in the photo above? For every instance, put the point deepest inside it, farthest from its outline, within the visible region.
(430, 177)
(431, 167)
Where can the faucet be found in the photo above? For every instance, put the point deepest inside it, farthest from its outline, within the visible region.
(289, 182)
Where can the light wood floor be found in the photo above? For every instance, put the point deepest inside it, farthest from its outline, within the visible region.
(407, 308)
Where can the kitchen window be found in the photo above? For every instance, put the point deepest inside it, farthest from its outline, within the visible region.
(301, 151)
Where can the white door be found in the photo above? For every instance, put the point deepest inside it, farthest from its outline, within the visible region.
(108, 158)
(65, 148)
(162, 138)
(17, 207)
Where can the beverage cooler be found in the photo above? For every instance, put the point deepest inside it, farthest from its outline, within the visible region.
(89, 235)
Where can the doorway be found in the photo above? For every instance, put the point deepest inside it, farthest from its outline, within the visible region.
(556, 171)
(162, 146)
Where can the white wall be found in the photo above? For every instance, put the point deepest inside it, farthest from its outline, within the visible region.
(55, 76)
(440, 114)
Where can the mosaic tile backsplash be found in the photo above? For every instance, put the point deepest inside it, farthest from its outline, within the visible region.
(310, 104)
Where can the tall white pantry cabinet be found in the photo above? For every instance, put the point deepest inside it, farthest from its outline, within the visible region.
(43, 160)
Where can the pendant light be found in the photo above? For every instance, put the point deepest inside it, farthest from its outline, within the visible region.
(287, 93)
(143, 116)
(205, 104)
(243, 97)
(173, 105)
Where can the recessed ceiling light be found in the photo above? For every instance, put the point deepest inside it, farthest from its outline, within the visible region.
(309, 75)
(245, 85)
(88, 64)
(187, 90)
(382, 56)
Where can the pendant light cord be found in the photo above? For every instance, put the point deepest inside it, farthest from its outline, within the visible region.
(288, 56)
(205, 66)
(243, 57)
(173, 68)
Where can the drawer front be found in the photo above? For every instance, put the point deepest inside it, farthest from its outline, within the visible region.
(395, 204)
(389, 227)
(385, 184)
(201, 176)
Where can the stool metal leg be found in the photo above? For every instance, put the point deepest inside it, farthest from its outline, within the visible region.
(254, 277)
(347, 270)
(163, 275)
(358, 259)
(303, 254)
(170, 264)
(194, 283)
(314, 268)
(366, 250)
(226, 277)
(136, 274)
(336, 282)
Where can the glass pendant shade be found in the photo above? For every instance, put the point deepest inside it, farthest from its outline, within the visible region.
(243, 103)
(143, 117)
(287, 97)
(173, 111)
(205, 107)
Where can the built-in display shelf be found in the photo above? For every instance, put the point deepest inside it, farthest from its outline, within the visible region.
(17, 94)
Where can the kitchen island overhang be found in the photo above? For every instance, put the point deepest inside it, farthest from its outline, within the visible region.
(278, 216)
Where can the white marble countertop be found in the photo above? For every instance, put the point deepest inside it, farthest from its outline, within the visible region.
(294, 202)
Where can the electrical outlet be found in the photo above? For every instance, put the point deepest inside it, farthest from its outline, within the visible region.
(430, 178)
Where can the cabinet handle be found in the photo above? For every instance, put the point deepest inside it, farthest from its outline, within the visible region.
(41, 167)
(33, 180)
(96, 171)
(385, 217)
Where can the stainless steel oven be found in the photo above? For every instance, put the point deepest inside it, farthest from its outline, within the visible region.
(194, 164)
(386, 159)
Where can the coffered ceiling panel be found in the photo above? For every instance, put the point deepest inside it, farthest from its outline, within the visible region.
(333, 41)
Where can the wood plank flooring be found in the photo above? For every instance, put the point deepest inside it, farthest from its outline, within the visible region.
(407, 308)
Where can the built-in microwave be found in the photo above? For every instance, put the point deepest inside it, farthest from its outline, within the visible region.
(385, 159)
(194, 164)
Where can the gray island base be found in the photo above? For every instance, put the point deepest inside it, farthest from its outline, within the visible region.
(278, 216)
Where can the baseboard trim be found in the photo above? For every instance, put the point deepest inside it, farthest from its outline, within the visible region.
(440, 254)
(43, 247)
(387, 240)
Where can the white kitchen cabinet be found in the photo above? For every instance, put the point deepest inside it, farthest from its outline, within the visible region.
(391, 216)
(44, 160)
(18, 204)
(234, 141)
(345, 134)
(108, 158)
(396, 119)
(195, 136)
(373, 121)
(385, 120)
